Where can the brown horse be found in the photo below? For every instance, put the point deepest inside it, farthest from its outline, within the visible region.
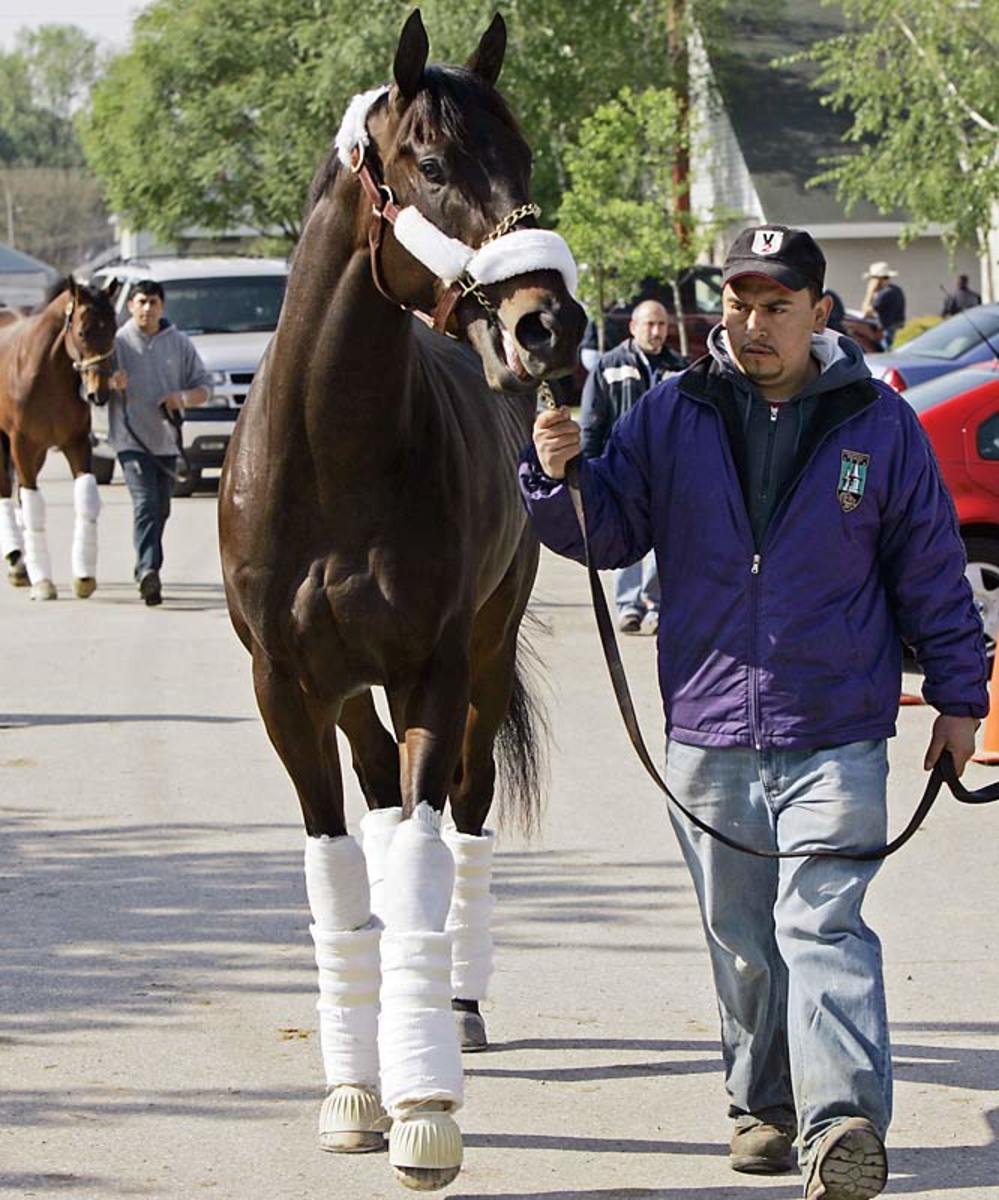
(372, 534)
(44, 360)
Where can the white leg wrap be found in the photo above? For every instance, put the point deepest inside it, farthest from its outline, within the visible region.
(87, 506)
(469, 920)
(417, 1038)
(377, 830)
(10, 529)
(346, 942)
(36, 550)
(348, 1004)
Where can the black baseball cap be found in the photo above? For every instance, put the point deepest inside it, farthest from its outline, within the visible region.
(790, 257)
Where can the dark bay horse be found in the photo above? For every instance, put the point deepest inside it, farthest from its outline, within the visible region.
(372, 535)
(44, 359)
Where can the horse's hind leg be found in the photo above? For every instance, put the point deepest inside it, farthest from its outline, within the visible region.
(28, 459)
(376, 764)
(345, 935)
(86, 509)
(11, 538)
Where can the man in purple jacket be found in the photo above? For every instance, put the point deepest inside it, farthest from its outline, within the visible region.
(803, 534)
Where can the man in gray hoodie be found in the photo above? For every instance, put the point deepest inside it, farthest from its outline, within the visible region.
(163, 374)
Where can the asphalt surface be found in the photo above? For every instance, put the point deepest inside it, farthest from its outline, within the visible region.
(157, 1022)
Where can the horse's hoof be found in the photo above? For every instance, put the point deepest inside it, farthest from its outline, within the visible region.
(85, 587)
(425, 1149)
(352, 1121)
(18, 575)
(44, 589)
(471, 1031)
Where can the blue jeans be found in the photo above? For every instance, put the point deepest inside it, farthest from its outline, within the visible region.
(797, 972)
(150, 489)
(636, 588)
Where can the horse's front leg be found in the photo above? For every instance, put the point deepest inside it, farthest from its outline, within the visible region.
(418, 1046)
(28, 459)
(86, 509)
(11, 538)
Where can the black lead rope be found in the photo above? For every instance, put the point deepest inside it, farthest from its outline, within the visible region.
(943, 772)
(176, 421)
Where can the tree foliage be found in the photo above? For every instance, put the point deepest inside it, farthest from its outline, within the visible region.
(43, 81)
(220, 110)
(620, 212)
(919, 80)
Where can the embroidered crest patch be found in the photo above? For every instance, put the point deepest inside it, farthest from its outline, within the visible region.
(852, 479)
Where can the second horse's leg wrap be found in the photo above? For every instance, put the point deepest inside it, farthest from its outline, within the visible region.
(36, 550)
(421, 1070)
(86, 507)
(469, 921)
(346, 941)
(377, 830)
(10, 531)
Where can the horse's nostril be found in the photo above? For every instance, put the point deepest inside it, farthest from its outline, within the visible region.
(538, 331)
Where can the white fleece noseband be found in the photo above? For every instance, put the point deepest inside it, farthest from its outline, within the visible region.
(506, 256)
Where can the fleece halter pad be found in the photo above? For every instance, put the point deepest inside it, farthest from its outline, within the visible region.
(450, 259)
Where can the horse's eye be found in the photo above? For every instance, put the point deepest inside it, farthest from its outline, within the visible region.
(432, 169)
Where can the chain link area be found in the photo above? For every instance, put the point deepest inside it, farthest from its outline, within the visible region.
(510, 220)
(546, 397)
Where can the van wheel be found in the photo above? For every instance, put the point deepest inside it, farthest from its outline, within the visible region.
(103, 468)
(186, 482)
(982, 573)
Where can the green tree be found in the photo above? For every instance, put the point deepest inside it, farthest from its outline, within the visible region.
(919, 80)
(220, 110)
(43, 81)
(621, 213)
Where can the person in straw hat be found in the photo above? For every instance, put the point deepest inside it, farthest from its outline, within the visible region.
(884, 300)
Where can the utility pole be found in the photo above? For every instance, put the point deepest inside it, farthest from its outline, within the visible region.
(678, 58)
(8, 197)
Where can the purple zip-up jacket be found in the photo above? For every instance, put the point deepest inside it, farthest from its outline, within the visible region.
(795, 643)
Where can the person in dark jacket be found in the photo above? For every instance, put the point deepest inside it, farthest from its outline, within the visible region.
(613, 388)
(884, 300)
(803, 533)
(961, 298)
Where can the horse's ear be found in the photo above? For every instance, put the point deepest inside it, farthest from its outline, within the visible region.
(487, 60)
(112, 287)
(411, 56)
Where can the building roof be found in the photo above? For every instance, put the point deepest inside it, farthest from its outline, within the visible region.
(783, 130)
(16, 262)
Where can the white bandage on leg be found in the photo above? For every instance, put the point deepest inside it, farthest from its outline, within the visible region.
(346, 942)
(10, 530)
(377, 830)
(87, 506)
(349, 979)
(36, 550)
(417, 1037)
(469, 920)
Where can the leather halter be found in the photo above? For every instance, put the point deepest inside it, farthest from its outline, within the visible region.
(81, 364)
(384, 210)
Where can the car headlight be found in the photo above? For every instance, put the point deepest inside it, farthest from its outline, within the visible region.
(218, 378)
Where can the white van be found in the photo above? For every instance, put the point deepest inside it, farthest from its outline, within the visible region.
(229, 307)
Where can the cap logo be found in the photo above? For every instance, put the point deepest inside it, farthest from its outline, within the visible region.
(767, 241)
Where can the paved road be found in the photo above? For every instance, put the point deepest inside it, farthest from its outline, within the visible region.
(156, 983)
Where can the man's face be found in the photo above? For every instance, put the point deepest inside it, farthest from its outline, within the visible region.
(649, 327)
(770, 331)
(146, 311)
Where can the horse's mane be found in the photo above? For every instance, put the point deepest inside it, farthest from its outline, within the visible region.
(55, 288)
(441, 107)
(94, 295)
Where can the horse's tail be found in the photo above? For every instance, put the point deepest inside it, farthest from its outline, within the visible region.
(522, 742)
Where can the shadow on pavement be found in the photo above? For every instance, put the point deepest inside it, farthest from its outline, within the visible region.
(24, 720)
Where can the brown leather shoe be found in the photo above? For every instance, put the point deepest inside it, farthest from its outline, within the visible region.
(849, 1163)
(762, 1149)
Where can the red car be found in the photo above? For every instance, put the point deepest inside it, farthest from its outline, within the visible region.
(960, 413)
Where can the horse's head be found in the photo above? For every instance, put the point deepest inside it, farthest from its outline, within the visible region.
(450, 171)
(89, 329)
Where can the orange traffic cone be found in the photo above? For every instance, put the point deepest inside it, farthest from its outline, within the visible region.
(989, 752)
